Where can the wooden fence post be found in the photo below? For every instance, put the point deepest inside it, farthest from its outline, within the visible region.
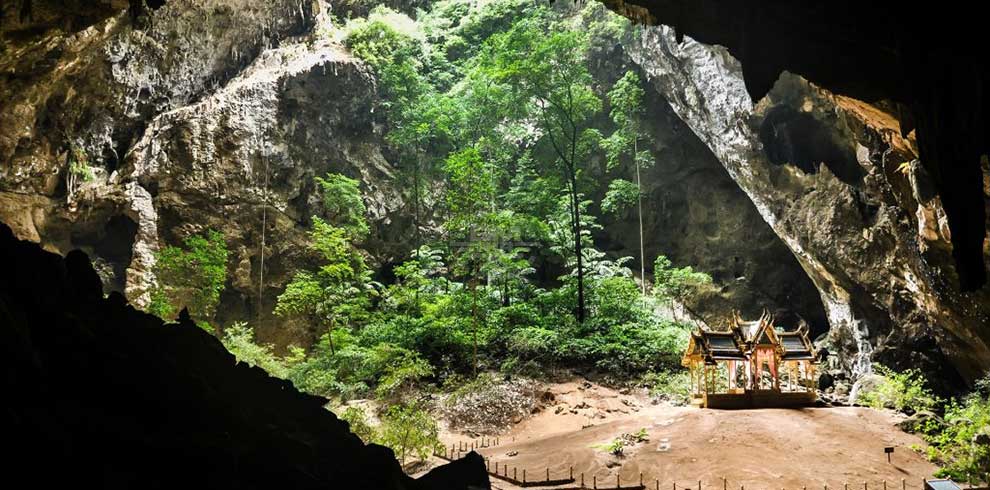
(524, 475)
(515, 474)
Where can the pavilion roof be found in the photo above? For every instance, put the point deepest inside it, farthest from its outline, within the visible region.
(796, 345)
(718, 346)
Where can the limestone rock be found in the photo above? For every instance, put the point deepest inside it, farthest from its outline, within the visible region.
(823, 172)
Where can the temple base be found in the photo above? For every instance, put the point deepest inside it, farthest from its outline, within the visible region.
(756, 399)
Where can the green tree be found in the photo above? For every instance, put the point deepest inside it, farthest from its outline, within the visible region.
(409, 431)
(192, 277)
(417, 114)
(677, 283)
(340, 290)
(626, 99)
(336, 293)
(79, 171)
(546, 67)
(343, 203)
(470, 192)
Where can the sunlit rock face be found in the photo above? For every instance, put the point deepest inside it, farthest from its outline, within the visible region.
(696, 215)
(836, 181)
(191, 116)
(243, 161)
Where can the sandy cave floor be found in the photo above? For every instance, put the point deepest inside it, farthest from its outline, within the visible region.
(764, 449)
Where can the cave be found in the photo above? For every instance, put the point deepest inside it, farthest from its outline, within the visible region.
(820, 167)
(797, 138)
(110, 244)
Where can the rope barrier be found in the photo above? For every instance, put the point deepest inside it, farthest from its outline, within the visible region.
(456, 451)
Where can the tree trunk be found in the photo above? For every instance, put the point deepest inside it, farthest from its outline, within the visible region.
(578, 248)
(639, 203)
(474, 327)
(416, 219)
(330, 336)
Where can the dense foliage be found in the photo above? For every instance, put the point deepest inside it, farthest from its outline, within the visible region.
(496, 102)
(902, 391)
(959, 440)
(506, 139)
(962, 445)
(191, 277)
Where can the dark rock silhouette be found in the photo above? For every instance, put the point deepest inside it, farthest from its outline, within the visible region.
(99, 394)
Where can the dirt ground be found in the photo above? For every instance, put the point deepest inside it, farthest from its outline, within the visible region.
(764, 449)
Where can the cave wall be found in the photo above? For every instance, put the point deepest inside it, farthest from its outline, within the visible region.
(837, 181)
(192, 116)
(930, 63)
(696, 215)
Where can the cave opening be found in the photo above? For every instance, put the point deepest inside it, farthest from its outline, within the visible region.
(374, 287)
(111, 247)
(790, 136)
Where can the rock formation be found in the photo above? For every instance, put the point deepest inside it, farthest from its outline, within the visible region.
(929, 63)
(842, 187)
(169, 109)
(695, 214)
(811, 204)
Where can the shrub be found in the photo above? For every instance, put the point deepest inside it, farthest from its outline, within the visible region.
(962, 447)
(616, 447)
(359, 425)
(409, 431)
(191, 276)
(902, 391)
(395, 369)
(239, 341)
(534, 343)
(671, 385)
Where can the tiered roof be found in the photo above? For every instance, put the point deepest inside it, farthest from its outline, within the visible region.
(716, 346)
(743, 337)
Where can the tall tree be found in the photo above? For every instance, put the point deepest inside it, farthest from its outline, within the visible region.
(626, 100)
(546, 66)
(468, 196)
